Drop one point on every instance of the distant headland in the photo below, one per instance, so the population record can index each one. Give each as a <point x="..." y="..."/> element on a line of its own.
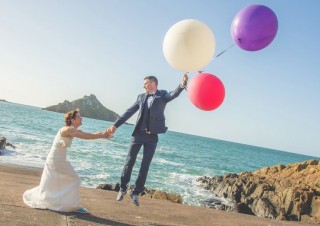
<point x="2" y="100"/>
<point x="89" y="106"/>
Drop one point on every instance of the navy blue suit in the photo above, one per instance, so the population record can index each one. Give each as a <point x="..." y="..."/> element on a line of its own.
<point x="150" y="122"/>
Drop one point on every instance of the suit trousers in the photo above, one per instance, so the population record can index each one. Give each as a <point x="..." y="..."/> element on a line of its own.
<point x="149" y="143"/>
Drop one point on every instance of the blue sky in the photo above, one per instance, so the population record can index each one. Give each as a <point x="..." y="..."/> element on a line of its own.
<point x="51" y="51"/>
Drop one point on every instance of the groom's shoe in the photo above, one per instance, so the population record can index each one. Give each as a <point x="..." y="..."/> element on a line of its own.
<point x="135" y="199"/>
<point x="121" y="195"/>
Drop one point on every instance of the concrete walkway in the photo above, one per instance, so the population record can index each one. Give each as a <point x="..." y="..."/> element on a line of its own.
<point x="105" y="210"/>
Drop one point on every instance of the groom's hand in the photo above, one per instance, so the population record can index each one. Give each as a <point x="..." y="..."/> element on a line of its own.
<point x="112" y="129"/>
<point x="184" y="80"/>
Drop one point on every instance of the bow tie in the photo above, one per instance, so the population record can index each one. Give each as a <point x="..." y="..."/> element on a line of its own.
<point x="150" y="95"/>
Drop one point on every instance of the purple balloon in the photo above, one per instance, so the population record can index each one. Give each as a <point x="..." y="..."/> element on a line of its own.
<point x="254" y="27"/>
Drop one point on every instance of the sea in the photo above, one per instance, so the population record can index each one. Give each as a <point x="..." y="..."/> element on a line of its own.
<point x="179" y="159"/>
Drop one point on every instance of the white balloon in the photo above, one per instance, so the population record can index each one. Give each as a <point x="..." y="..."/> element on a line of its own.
<point x="189" y="45"/>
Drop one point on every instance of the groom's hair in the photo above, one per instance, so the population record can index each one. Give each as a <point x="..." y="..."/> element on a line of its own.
<point x="152" y="78"/>
<point x="70" y="115"/>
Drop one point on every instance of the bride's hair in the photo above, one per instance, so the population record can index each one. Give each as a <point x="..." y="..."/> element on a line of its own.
<point x="70" y="115"/>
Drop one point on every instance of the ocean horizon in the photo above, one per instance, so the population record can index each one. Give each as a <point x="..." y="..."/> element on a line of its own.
<point x="179" y="160"/>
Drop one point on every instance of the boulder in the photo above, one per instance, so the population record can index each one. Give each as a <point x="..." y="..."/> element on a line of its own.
<point x="167" y="196"/>
<point x="2" y="143"/>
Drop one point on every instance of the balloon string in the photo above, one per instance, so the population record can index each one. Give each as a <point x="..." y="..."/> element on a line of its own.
<point x="225" y="50"/>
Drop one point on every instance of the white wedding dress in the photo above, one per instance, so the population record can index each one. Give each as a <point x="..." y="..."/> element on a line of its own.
<point x="59" y="188"/>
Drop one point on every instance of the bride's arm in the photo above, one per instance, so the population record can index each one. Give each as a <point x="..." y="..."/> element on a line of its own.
<point x="72" y="132"/>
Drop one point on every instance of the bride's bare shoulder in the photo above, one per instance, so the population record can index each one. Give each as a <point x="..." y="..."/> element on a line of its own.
<point x="67" y="131"/>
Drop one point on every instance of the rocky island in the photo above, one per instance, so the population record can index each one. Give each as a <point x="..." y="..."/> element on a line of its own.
<point x="279" y="192"/>
<point x="89" y="106"/>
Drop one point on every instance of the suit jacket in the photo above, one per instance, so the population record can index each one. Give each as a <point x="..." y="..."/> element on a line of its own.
<point x="157" y="118"/>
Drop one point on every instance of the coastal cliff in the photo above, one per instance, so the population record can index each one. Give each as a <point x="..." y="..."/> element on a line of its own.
<point x="280" y="192"/>
<point x="89" y="106"/>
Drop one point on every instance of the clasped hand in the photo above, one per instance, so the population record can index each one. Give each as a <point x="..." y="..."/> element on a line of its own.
<point x="107" y="134"/>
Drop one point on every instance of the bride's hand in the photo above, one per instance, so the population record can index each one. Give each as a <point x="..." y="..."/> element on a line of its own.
<point x="106" y="134"/>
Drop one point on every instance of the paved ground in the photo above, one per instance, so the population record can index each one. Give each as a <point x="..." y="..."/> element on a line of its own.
<point x="105" y="210"/>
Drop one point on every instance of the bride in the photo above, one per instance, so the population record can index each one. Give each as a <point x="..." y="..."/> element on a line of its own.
<point x="59" y="186"/>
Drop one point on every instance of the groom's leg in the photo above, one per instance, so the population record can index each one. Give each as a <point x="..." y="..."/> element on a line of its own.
<point x="131" y="159"/>
<point x="149" y="149"/>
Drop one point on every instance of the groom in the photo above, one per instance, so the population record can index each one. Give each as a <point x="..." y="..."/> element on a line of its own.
<point x="150" y="123"/>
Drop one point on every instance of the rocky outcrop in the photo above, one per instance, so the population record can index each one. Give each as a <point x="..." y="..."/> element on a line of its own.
<point x="155" y="194"/>
<point x="3" y="142"/>
<point x="89" y="106"/>
<point x="289" y="192"/>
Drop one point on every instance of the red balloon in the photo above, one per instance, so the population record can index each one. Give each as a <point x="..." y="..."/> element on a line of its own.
<point x="206" y="91"/>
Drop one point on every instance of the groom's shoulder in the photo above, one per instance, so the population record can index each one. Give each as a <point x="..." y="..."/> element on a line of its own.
<point x="162" y="91"/>
<point x="141" y="94"/>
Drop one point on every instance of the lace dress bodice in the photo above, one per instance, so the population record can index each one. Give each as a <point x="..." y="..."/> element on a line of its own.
<point x="59" y="148"/>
